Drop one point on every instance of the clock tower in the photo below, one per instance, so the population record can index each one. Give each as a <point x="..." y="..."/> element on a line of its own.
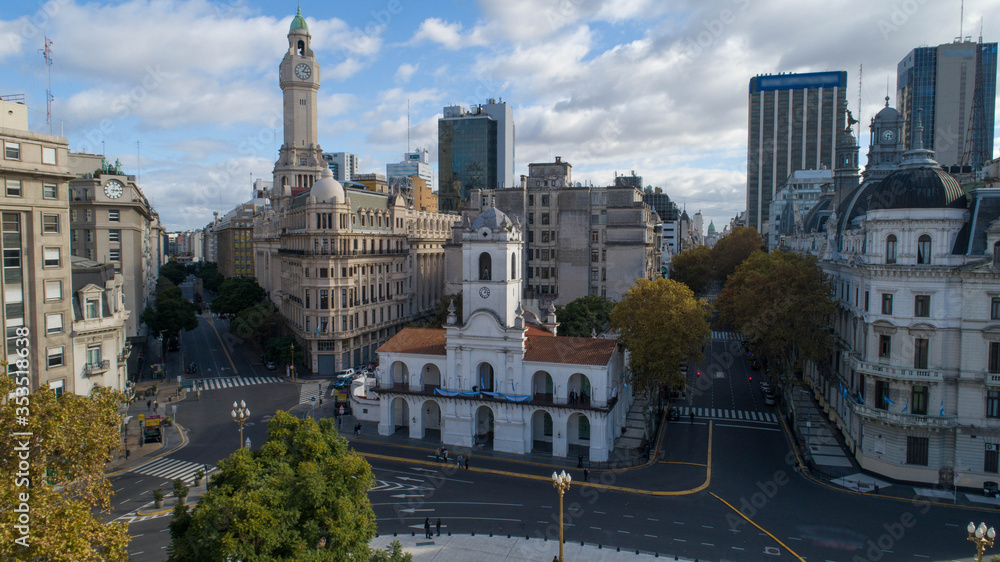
<point x="491" y="268"/>
<point x="886" y="149"/>
<point x="300" y="159"/>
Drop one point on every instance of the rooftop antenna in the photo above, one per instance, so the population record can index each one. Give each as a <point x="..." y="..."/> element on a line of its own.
<point x="861" y="67"/>
<point x="407" y="124"/>
<point x="47" y="53"/>
<point x="138" y="164"/>
<point x="961" y="21"/>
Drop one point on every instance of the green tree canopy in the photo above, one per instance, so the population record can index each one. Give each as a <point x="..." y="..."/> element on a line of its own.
<point x="661" y="324"/>
<point x="172" y="314"/>
<point x="441" y="314"/>
<point x="256" y="322"/>
<point x="280" y="349"/>
<point x="71" y="438"/>
<point x="782" y="302"/>
<point x="584" y="315"/>
<point x="237" y="293"/>
<point x="175" y="271"/>
<point x="733" y="249"/>
<point x="210" y="277"/>
<point x="302" y="496"/>
<point x="693" y="268"/>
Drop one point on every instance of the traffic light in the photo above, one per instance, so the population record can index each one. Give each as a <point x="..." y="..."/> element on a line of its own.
<point x="698" y="373"/>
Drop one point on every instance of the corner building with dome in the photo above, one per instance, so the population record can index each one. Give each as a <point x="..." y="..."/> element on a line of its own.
<point x="499" y="378"/>
<point x="346" y="267"/>
<point x="913" y="381"/>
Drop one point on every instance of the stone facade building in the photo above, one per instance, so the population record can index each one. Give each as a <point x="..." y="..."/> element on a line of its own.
<point x="100" y="343"/>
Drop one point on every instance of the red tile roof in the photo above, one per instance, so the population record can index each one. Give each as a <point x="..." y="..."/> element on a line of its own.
<point x="577" y="351"/>
<point x="536" y="331"/>
<point x="419" y="341"/>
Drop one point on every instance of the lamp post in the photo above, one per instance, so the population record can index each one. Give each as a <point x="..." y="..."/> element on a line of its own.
<point x="982" y="536"/>
<point x="240" y="415"/>
<point x="561" y="482"/>
<point x="291" y="362"/>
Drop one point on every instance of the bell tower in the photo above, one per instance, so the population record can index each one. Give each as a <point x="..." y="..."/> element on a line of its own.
<point x="491" y="275"/>
<point x="300" y="159"/>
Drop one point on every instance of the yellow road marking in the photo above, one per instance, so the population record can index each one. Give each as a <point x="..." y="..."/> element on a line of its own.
<point x="763" y="530"/>
<point x="679" y="462"/>
<point x="224" y="350"/>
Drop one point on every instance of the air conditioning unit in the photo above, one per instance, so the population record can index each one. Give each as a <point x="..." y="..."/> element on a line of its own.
<point x="991" y="446"/>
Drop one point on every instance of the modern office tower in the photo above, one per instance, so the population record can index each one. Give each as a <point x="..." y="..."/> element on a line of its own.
<point x="416" y="163"/>
<point x="951" y="88"/>
<point x="792" y="125"/>
<point x="344" y="165"/>
<point x="475" y="151"/>
<point x="234" y="240"/>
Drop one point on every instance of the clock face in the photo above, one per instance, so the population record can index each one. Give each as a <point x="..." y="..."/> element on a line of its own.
<point x="888" y="135"/>
<point x="484" y="292"/>
<point x="114" y="189"/>
<point x="303" y="71"/>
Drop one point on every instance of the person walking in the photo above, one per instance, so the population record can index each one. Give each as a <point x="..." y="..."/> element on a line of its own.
<point x="467" y="462"/>
<point x="438" y="527"/>
<point x="579" y="460"/>
<point x="427" y="527"/>
<point x="156" y="406"/>
<point x="461" y="460"/>
<point x="586" y="473"/>
<point x="149" y="405"/>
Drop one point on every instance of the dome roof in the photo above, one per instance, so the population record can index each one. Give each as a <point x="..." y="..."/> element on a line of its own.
<point x="327" y="188"/>
<point x="887" y="114"/>
<point x="918" y="188"/>
<point x="493" y="218"/>
<point x="298" y="22"/>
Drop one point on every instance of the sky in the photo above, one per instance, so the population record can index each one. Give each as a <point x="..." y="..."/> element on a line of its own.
<point x="185" y="92"/>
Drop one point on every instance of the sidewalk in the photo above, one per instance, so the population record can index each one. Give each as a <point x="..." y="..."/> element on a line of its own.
<point x="483" y="548"/>
<point x="138" y="452"/>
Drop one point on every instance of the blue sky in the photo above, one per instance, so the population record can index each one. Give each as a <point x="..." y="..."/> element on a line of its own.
<point x="654" y="86"/>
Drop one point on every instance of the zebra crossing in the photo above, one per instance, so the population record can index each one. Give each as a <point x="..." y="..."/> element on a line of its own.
<point x="723" y="336"/>
<point x="168" y="468"/>
<point x="232" y="382"/>
<point x="312" y="390"/>
<point x="720" y="414"/>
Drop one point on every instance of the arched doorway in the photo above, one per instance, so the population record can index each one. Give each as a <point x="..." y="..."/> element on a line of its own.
<point x="578" y="435"/>
<point x="579" y="389"/>
<point x="541" y="431"/>
<point x="432" y="375"/>
<point x="484" y="426"/>
<point x="485" y="377"/>
<point x="399" y="414"/>
<point x="430" y="411"/>
<point x="400" y="373"/>
<point x="541" y="386"/>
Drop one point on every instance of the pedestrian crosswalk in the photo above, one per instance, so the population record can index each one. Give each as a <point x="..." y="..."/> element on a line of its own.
<point x="312" y="390"/>
<point x="168" y="468"/>
<point x="720" y="414"/>
<point x="723" y="336"/>
<point x="231" y="382"/>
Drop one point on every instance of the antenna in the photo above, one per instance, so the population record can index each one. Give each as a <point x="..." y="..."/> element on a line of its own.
<point x="961" y="21"/>
<point x="47" y="53"/>
<point x="138" y="163"/>
<point x="407" y="124"/>
<point x="861" y="67"/>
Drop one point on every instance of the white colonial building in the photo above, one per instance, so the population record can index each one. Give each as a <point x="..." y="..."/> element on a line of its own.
<point x="495" y="380"/>
<point x="914" y="382"/>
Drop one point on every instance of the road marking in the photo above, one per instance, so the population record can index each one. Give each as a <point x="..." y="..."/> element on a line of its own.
<point x="678" y="522"/>
<point x="707" y="527"/>
<point x="594" y="528"/>
<point x="650" y="536"/>
<point x="625" y="532"/>
<point x="138" y="553"/>
<point x="680" y="540"/>
<point x="798" y="539"/>
<point x="598" y="512"/>
<point x="738" y="512"/>
<point x="139" y="535"/>
<point x="749" y="427"/>
<point x="707" y="544"/>
<point x="629" y="516"/>
<point x="224" y="350"/>
<point x="651" y="519"/>
<point x="736" y="548"/>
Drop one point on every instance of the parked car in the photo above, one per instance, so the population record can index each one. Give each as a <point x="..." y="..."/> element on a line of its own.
<point x="174" y="344"/>
<point x="346" y="373"/>
<point x="192" y="368"/>
<point x="673" y="415"/>
<point x="769" y="399"/>
<point x="990" y="489"/>
<point x="270" y="365"/>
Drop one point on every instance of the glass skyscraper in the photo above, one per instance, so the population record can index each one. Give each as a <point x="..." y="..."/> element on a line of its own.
<point x="467" y="155"/>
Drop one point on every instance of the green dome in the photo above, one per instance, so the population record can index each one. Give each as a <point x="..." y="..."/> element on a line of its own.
<point x="299" y="22"/>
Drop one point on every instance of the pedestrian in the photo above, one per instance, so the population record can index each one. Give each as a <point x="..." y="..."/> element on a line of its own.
<point x="427" y="527"/>
<point x="466" y="463"/>
<point x="149" y="405"/>
<point x="691" y="414"/>
<point x="579" y="460"/>
<point x="439" y="527"/>
<point x="437" y="455"/>
<point x="444" y="453"/>
<point x="460" y="461"/>
<point x="586" y="473"/>
<point x="156" y="406"/>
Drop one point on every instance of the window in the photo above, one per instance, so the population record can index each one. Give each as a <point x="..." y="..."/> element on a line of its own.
<point x="890" y="249"/>
<point x="48" y="155"/>
<point x="886" y="303"/>
<point x="53" y="323"/>
<point x="924" y="250"/>
<point x="995" y="308"/>
<point x="545" y="236"/>
<point x="993" y="404"/>
<point x="49" y="191"/>
<point x="920" y="353"/>
<point x="545" y="218"/>
<point x="866" y="301"/>
<point x="594" y="274"/>
<point x="12" y="150"/>
<point x="595" y="236"/>
<point x="324" y="301"/>
<point x="114" y="215"/>
<point x="595" y="256"/>
<point x="584" y="429"/>
<point x="531" y="218"/>
<point x="996" y="254"/>
<point x="50" y="224"/>
<point x="545" y="200"/>
<point x="13" y="188"/>
<point x="485" y="265"/>
<point x="916" y="450"/>
<point x="55" y="357"/>
<point x="922" y="306"/>
<point x="919" y="399"/>
<point x="993" y="364"/>
<point x="114" y="254"/>
<point x="51" y="257"/>
<point x="513" y="266"/>
<point x="72" y="215"/>
<point x="884" y="346"/>
<point x="53" y="290"/>
<point x="531" y="200"/>
<point x="90" y="215"/>
<point x="881" y="395"/>
<point x="114" y="235"/>
<point x="990" y="458"/>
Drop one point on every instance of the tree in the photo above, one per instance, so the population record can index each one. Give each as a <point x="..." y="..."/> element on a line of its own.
<point x="302" y="496"/>
<point x="172" y="314"/>
<point x="782" y="302"/>
<point x="661" y="324"/>
<point x="175" y="271"/>
<point x="280" y="349"/>
<point x="584" y="315"/>
<point x="57" y="473"/>
<point x="693" y="268"/>
<point x="256" y="322"/>
<point x="732" y="250"/>
<point x="441" y="313"/>
<point x="237" y="293"/>
<point x="210" y="276"/>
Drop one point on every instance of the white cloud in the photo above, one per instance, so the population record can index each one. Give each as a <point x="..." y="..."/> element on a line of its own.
<point x="448" y="35"/>
<point x="405" y="72"/>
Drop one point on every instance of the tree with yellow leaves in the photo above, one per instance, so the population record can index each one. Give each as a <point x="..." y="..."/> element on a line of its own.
<point x="55" y="449"/>
<point x="661" y="324"/>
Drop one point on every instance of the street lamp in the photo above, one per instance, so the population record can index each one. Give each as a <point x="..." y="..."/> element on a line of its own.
<point x="240" y="415"/>
<point x="561" y="482"/>
<point x="982" y="536"/>
<point x="291" y="362"/>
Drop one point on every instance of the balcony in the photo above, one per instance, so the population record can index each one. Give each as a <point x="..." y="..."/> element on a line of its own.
<point x="903" y="420"/>
<point x="896" y="372"/>
<point x="338" y="253"/>
<point x="538" y="399"/>
<point x="91" y="369"/>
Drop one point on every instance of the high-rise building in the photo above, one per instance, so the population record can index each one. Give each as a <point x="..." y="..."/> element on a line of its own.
<point x="792" y="125"/>
<point x="951" y="88"/>
<point x="344" y="165"/>
<point x="234" y="241"/>
<point x="416" y="163"/>
<point x="475" y="151"/>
